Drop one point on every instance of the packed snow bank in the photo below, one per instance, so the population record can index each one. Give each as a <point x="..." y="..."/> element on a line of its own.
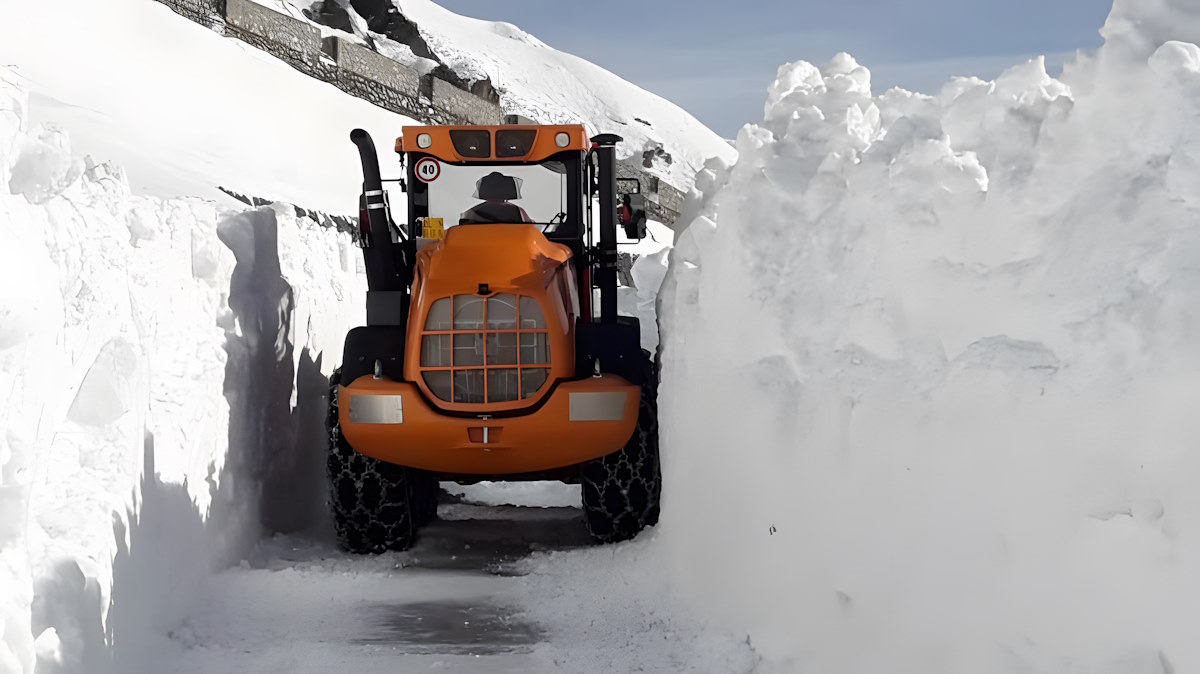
<point x="161" y="374"/>
<point x="931" y="367"/>
<point x="647" y="272"/>
<point x="603" y="612"/>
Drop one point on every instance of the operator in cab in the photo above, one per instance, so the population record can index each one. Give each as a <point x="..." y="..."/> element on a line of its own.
<point x="497" y="191"/>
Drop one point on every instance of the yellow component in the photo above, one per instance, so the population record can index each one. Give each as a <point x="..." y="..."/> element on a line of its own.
<point x="432" y="228"/>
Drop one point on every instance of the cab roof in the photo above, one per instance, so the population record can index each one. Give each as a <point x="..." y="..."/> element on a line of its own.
<point x="516" y="143"/>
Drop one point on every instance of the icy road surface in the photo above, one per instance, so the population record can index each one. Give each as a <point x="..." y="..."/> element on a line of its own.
<point x="452" y="603"/>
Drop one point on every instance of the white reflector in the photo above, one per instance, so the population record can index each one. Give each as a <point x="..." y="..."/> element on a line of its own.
<point x="365" y="409"/>
<point x="600" y="406"/>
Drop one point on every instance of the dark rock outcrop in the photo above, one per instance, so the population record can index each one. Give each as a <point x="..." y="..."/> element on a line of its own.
<point x="656" y="154"/>
<point x="484" y="89"/>
<point x="383" y="17"/>
<point x="330" y="13"/>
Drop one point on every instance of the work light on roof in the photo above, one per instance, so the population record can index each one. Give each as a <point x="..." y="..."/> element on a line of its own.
<point x="562" y="139"/>
<point x="424" y="140"/>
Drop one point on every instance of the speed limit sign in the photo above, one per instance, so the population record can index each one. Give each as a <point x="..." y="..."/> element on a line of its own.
<point x="427" y="169"/>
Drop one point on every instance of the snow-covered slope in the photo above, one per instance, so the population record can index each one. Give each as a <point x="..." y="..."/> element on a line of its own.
<point x="185" y="110"/>
<point x="932" y="365"/>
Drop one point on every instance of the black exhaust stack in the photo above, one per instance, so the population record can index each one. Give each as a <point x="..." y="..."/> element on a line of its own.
<point x="612" y="345"/>
<point x="606" y="253"/>
<point x="385" y="260"/>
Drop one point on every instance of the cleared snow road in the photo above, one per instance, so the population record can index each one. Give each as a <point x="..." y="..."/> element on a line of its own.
<point x="452" y="603"/>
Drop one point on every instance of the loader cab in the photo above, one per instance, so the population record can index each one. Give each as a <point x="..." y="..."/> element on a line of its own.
<point x="500" y="213"/>
<point x="527" y="174"/>
<point x="559" y="182"/>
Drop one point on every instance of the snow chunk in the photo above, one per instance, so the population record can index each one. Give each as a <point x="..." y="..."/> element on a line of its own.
<point x="108" y="389"/>
<point x="1177" y="59"/>
<point x="44" y="166"/>
<point x="1137" y="28"/>
<point x="14" y="100"/>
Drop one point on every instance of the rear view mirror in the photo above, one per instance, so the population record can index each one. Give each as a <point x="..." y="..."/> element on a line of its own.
<point x="633" y="215"/>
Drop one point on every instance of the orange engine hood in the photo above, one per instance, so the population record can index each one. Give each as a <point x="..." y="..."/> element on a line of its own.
<point x="506" y="257"/>
<point x="509" y="259"/>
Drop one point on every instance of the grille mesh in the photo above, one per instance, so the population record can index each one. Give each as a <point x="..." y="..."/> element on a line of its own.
<point x="480" y="350"/>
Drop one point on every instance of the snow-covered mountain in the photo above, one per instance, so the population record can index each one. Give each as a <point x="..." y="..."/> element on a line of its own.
<point x="530" y="78"/>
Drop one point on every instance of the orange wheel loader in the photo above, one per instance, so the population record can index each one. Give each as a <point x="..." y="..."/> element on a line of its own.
<point x="483" y="356"/>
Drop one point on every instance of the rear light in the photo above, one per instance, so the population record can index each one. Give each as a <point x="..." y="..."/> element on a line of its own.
<point x="472" y="143"/>
<point x="478" y="350"/>
<point x="514" y="142"/>
<point x="562" y="139"/>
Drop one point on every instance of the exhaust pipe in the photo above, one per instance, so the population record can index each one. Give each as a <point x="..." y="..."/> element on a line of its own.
<point x="606" y="272"/>
<point x="385" y="260"/>
<point x="374" y="221"/>
<point x="370" y="160"/>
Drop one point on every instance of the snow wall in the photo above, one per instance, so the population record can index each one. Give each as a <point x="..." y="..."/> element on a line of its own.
<point x="163" y="376"/>
<point x="931" y="368"/>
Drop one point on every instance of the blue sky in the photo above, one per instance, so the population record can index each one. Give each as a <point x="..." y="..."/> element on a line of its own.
<point x="717" y="63"/>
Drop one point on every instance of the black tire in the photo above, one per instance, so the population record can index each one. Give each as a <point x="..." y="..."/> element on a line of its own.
<point x="370" y="500"/>
<point x="425" y="492"/>
<point x="622" y="491"/>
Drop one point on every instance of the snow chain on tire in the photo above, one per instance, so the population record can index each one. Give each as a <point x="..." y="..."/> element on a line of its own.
<point x="621" y="491"/>
<point x="370" y="500"/>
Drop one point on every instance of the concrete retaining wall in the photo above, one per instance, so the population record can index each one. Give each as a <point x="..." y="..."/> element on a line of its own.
<point x="372" y="77"/>
<point x="670" y="199"/>
<point x="663" y="201"/>
<point x="210" y="13"/>
<point x="464" y="105"/>
<point x="358" y="60"/>
<point x="292" y="40"/>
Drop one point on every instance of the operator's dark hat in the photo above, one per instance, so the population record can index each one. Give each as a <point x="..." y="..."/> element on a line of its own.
<point x="496" y="186"/>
